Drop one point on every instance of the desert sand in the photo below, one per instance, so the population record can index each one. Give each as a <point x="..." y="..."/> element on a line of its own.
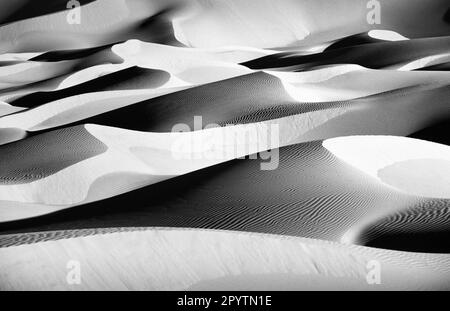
<point x="224" y="144"/>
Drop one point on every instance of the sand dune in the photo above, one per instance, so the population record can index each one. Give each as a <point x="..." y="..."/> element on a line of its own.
<point x="418" y="229"/>
<point x="214" y="260"/>
<point x="260" y="97"/>
<point x="407" y="166"/>
<point x="225" y="144"/>
<point x="73" y="103"/>
<point x="352" y="83"/>
<point x="439" y="67"/>
<point x="434" y="133"/>
<point x="141" y="159"/>
<point x="290" y="22"/>
<point x="102" y="22"/>
<point x="192" y="22"/>
<point x="310" y="186"/>
<point x="126" y="79"/>
<point x="334" y="87"/>
<point x="190" y="65"/>
<point x="375" y="55"/>
<point x="6" y="109"/>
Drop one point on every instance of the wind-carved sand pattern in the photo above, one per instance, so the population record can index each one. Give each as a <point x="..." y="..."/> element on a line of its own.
<point x="225" y="144"/>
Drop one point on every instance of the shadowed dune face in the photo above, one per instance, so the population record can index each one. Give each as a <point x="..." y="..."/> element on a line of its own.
<point x="30" y="73"/>
<point x="210" y="23"/>
<point x="11" y="134"/>
<point x="225" y="144"/>
<point x="373" y="36"/>
<point x="447" y="16"/>
<point x="216" y="103"/>
<point x="438" y="67"/>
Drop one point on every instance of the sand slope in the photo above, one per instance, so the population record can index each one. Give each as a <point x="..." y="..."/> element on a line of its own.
<point x="224" y="144"/>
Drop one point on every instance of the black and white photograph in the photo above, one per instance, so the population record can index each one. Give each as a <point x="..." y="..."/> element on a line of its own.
<point x="208" y="146"/>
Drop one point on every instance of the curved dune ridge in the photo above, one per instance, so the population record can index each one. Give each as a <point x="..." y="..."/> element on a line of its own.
<point x="224" y="144"/>
<point x="311" y="186"/>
